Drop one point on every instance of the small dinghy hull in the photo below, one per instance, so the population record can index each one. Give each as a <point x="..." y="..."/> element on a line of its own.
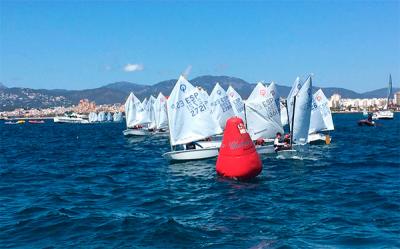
<point x="319" y="138"/>
<point x="365" y="123"/>
<point x="136" y="132"/>
<point x="265" y="149"/>
<point x="188" y="155"/>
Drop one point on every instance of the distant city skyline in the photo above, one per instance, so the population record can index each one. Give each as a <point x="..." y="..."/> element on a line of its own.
<point x="79" y="45"/>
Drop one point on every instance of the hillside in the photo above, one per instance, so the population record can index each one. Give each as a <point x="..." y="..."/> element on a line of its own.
<point x="15" y="97"/>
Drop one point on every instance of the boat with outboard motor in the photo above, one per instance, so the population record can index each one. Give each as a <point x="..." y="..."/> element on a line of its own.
<point x="366" y="122"/>
<point x="36" y="121"/>
<point x="72" y="118"/>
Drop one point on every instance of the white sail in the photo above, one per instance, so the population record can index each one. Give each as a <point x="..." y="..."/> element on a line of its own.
<point x="189" y="115"/>
<point x="101" y="117"/>
<point x="205" y="95"/>
<point x="273" y="90"/>
<point x="130" y="110"/>
<point x="284" y="115"/>
<point x="262" y="115"/>
<point x="134" y="112"/>
<point x="143" y="113"/>
<point x="236" y="102"/>
<point x="221" y="108"/>
<point x="160" y="110"/>
<point x="117" y="117"/>
<point x="302" y="113"/>
<point x="151" y="111"/>
<point x="92" y="117"/>
<point x="321" y="116"/>
<point x="295" y="89"/>
<point x="109" y="117"/>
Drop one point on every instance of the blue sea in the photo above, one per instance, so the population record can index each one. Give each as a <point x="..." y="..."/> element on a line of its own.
<point x="87" y="186"/>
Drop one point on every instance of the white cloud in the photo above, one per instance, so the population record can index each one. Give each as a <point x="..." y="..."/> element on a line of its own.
<point x="133" y="67"/>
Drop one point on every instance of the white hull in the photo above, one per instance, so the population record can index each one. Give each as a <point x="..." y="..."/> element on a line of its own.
<point x="187" y="155"/>
<point x="265" y="149"/>
<point x="383" y="115"/>
<point x="70" y="120"/>
<point x="318" y="138"/>
<point x="161" y="133"/>
<point x="209" y="144"/>
<point x="136" y="132"/>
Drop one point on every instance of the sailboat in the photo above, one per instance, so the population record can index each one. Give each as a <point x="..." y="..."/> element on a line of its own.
<point x="150" y="110"/>
<point x="92" y="117"/>
<point x="300" y="123"/>
<point x="320" y="120"/>
<point x="189" y="121"/>
<point x="136" y="117"/>
<point x="160" y="114"/>
<point x="117" y="117"/>
<point x="236" y="102"/>
<point x="263" y="119"/>
<point x="386" y="113"/>
<point x="109" y="117"/>
<point x="299" y="105"/>
<point x="101" y="117"/>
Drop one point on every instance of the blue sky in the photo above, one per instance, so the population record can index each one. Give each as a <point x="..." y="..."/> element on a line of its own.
<point x="77" y="44"/>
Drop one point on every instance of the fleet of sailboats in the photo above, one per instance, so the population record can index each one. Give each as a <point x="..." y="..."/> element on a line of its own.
<point x="195" y="120"/>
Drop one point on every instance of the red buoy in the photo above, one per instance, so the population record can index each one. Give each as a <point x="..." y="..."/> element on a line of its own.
<point x="238" y="157"/>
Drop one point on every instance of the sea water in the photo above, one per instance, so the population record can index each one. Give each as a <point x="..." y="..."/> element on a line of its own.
<point x="69" y="185"/>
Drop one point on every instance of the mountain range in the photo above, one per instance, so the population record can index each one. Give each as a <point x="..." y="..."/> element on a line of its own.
<point x="17" y="97"/>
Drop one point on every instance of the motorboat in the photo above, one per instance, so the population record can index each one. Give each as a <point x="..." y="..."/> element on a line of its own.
<point x="384" y="114"/>
<point x="71" y="119"/>
<point x="36" y="121"/>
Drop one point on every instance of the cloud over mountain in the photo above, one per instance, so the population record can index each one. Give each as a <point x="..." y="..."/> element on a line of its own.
<point x="133" y="67"/>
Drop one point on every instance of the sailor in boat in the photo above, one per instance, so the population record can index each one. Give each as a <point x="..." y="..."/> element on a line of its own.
<point x="188" y="146"/>
<point x="278" y="145"/>
<point x="260" y="141"/>
<point x="286" y="140"/>
<point x="285" y="145"/>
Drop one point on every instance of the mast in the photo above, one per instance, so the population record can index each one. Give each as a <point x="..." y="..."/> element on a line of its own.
<point x="291" y="130"/>
<point x="389" y="91"/>
<point x="245" y="117"/>
<point x="287" y="113"/>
